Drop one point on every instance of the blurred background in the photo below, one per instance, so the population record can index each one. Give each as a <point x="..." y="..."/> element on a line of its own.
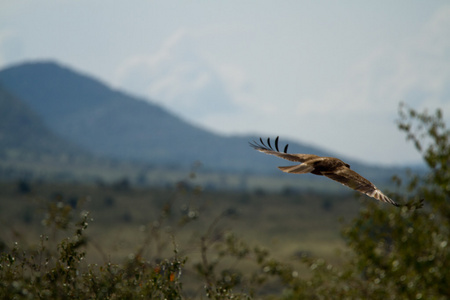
<point x="328" y="74"/>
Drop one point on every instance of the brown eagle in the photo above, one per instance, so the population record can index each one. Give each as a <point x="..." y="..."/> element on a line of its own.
<point x="330" y="167"/>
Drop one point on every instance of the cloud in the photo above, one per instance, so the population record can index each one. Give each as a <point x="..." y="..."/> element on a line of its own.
<point x="191" y="77"/>
<point x="416" y="71"/>
<point x="178" y="77"/>
<point x="360" y="111"/>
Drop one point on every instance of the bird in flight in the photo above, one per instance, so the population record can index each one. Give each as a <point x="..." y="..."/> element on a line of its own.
<point x="330" y="167"/>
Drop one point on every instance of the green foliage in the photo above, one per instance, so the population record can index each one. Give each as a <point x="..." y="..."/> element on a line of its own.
<point x="399" y="253"/>
<point x="62" y="274"/>
<point x="406" y="252"/>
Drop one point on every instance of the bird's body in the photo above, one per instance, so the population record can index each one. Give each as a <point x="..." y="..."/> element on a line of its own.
<point x="330" y="167"/>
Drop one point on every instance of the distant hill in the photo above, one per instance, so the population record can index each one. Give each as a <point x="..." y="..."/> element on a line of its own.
<point x="23" y="135"/>
<point x="111" y="123"/>
<point x="50" y="109"/>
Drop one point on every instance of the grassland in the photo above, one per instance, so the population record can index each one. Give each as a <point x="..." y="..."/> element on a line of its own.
<point x="219" y="229"/>
<point x="287" y="222"/>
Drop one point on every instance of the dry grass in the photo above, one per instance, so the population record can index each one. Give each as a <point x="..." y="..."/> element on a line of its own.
<point x="287" y="224"/>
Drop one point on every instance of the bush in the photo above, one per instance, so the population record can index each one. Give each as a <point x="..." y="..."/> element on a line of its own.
<point x="61" y="273"/>
<point x="398" y="253"/>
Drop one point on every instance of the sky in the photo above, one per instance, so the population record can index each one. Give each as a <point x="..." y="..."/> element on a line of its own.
<point x="325" y="73"/>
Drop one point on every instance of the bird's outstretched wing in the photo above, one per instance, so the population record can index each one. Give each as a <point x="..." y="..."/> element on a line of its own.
<point x="353" y="180"/>
<point x="330" y="167"/>
<point x="262" y="147"/>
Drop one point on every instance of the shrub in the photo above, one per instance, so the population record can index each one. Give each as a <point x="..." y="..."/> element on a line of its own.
<point x="397" y="253"/>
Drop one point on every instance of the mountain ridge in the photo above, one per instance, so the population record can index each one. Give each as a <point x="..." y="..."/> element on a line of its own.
<point x="22" y="131"/>
<point x="107" y="122"/>
<point x="111" y="123"/>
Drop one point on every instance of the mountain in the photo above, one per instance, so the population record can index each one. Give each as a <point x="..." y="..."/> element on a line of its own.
<point x="49" y="110"/>
<point x="111" y="123"/>
<point x="24" y="135"/>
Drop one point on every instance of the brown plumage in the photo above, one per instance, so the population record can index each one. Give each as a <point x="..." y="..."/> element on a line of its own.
<point x="330" y="167"/>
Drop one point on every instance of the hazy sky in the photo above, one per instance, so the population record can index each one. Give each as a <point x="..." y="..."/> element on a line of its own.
<point x="326" y="73"/>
